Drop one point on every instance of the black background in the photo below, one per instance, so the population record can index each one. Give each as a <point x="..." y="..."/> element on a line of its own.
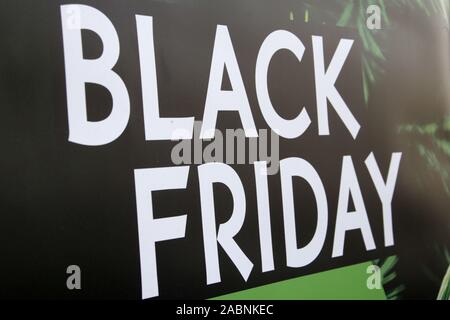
<point x="63" y="203"/>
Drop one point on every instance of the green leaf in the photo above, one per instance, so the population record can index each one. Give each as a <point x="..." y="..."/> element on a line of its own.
<point x="346" y="15"/>
<point x="444" y="291"/>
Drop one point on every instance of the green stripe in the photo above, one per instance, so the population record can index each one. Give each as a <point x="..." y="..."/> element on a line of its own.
<point x="347" y="283"/>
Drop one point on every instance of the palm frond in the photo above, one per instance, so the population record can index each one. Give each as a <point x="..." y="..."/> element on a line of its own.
<point x="352" y="13"/>
<point x="444" y="292"/>
<point x="431" y="143"/>
<point x="388" y="274"/>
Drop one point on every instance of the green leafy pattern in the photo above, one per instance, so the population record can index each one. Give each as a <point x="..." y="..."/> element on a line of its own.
<point x="431" y="140"/>
<point x="353" y="14"/>
<point x="387" y="268"/>
<point x="444" y="292"/>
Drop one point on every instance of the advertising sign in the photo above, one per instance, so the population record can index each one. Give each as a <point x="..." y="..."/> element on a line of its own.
<point x="224" y="149"/>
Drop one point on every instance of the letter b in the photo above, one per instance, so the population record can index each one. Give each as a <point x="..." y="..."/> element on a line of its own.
<point x="80" y="71"/>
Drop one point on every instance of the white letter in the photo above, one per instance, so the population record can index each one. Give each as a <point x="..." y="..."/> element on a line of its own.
<point x="221" y="173"/>
<point x="265" y="231"/>
<point x="156" y="128"/>
<point x="301" y="168"/>
<point x="385" y="191"/>
<point x="325" y="86"/>
<point x="153" y="230"/>
<point x="80" y="71"/>
<point x="346" y="221"/>
<point x="274" y="42"/>
<point x="230" y="100"/>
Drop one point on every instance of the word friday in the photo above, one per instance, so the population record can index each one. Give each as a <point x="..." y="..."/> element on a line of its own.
<point x="80" y="71"/>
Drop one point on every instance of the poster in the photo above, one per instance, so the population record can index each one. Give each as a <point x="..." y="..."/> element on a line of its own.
<point x="225" y="149"/>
